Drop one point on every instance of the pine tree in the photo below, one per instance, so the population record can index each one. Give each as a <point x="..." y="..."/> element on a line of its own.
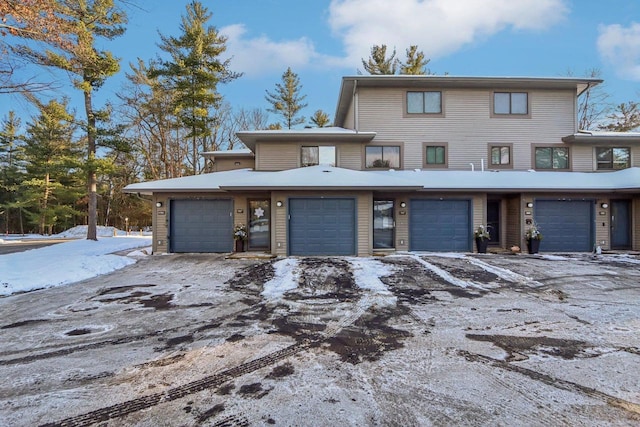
<point x="12" y="169"/>
<point x="193" y="72"/>
<point x="624" y="118"/>
<point x="320" y="119"/>
<point x="286" y="101"/>
<point x="415" y="63"/>
<point x="378" y="63"/>
<point x="49" y="193"/>
<point x="89" y="67"/>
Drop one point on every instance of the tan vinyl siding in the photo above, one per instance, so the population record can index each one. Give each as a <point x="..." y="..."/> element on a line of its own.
<point x="514" y="221"/>
<point x="467" y="126"/>
<point x="479" y="210"/>
<point x="276" y="157"/>
<point x="603" y="229"/>
<point x="160" y="223"/>
<point x="350" y="156"/>
<point x="226" y="164"/>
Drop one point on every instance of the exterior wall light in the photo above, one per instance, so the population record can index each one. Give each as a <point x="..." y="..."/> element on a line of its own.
<point x="279" y="204"/>
<point x="604" y="205"/>
<point x="529" y="204"/>
<point x="158" y="204"/>
<point x="403" y="205"/>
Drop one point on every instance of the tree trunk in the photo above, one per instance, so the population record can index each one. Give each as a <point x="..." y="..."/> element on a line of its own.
<point x="92" y="179"/>
<point x="45" y="203"/>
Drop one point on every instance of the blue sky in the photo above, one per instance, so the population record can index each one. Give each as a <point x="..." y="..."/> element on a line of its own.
<point x="323" y="40"/>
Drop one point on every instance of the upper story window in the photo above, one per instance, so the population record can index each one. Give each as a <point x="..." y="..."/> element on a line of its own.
<point x="318" y="155"/>
<point x="511" y="103"/>
<point x="435" y="155"/>
<point x="615" y="158"/>
<point x="382" y="157"/>
<point x="500" y="155"/>
<point x="552" y="157"/>
<point x="424" y="102"/>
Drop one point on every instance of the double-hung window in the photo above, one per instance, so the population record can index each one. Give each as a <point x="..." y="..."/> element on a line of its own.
<point x="382" y="157"/>
<point x="500" y="155"/>
<point x="429" y="102"/>
<point x="318" y="155"/>
<point x="613" y="158"/>
<point x="435" y="156"/>
<point x="551" y="157"/>
<point x="511" y="103"/>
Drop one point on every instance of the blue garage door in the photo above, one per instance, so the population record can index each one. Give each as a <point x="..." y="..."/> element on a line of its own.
<point x="566" y="225"/>
<point x="201" y="226"/>
<point x="440" y="225"/>
<point x="322" y="226"/>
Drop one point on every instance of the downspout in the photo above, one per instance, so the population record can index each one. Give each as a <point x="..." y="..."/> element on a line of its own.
<point x="355" y="105"/>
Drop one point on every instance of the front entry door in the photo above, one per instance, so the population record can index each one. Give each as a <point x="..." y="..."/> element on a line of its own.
<point x="620" y="224"/>
<point x="259" y="225"/>
<point x="493" y="221"/>
<point x="383" y="224"/>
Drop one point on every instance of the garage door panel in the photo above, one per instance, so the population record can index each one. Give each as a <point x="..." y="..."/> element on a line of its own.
<point x="201" y="226"/>
<point x="440" y="225"/>
<point x="322" y="226"/>
<point x="566" y="225"/>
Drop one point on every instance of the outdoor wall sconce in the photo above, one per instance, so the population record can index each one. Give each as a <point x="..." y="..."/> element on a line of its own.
<point x="604" y="205"/>
<point x="403" y="205"/>
<point x="529" y="204"/>
<point x="279" y="204"/>
<point x="158" y="204"/>
<point x="237" y="163"/>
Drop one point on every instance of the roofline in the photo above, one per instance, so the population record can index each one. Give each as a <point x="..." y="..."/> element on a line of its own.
<point x="322" y="187"/>
<point x="586" y="138"/>
<point x="349" y="83"/>
<point x="250" y="138"/>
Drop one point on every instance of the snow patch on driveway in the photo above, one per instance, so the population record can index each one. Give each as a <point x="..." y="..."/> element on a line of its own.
<point x="446" y="275"/>
<point x="286" y="278"/>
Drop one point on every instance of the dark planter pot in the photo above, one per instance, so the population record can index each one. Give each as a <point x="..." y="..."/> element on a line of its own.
<point x="482" y="244"/>
<point x="533" y="246"/>
<point x="240" y="246"/>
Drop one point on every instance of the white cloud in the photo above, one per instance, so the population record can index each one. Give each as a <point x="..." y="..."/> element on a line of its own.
<point x="620" y="47"/>
<point x="438" y="27"/>
<point x="261" y="55"/>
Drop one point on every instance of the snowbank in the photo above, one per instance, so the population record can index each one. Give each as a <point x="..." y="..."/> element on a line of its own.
<point x="65" y="263"/>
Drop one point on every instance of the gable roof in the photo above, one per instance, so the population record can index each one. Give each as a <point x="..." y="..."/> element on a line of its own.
<point x="323" y="177"/>
<point x="351" y="83"/>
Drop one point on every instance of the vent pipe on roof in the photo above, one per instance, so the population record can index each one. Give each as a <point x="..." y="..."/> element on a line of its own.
<point x="473" y="168"/>
<point x="482" y="164"/>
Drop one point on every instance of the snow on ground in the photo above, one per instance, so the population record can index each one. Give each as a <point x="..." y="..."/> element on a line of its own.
<point x="65" y="263"/>
<point x="285" y="279"/>
<point x="77" y="232"/>
<point x="446" y="275"/>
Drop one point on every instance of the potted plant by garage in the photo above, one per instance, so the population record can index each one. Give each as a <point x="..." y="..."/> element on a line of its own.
<point x="533" y="236"/>
<point x="240" y="236"/>
<point x="482" y="237"/>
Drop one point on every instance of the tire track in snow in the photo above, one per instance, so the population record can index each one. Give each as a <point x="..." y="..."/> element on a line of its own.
<point x="561" y="384"/>
<point x="446" y="275"/>
<point x="377" y="293"/>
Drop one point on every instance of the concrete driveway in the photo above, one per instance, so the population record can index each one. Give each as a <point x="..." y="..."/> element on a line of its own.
<point x="409" y="339"/>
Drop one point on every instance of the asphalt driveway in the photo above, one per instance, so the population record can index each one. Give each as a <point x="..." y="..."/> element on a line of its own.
<point x="409" y="339"/>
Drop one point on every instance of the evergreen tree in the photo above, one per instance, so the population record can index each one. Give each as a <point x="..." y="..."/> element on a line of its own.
<point x="320" y="119"/>
<point x="286" y="101"/>
<point x="415" y="63"/>
<point x="378" y="63"/>
<point x="194" y="71"/>
<point x="50" y="192"/>
<point x="12" y="170"/>
<point x="624" y="118"/>
<point x="89" y="67"/>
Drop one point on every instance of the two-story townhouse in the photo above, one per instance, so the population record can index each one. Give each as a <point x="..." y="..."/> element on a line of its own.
<point x="415" y="163"/>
